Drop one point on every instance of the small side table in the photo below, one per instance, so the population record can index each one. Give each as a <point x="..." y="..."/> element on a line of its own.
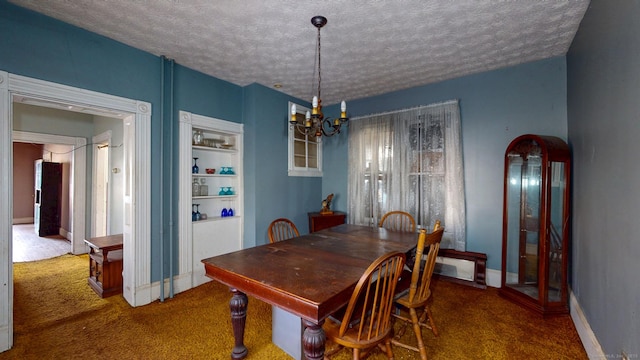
<point x="318" y="221"/>
<point x="105" y="265"/>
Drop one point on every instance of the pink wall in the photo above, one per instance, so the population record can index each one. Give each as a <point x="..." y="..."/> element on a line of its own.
<point x="24" y="156"/>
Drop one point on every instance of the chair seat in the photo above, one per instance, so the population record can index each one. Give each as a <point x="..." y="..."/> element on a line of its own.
<point x="403" y="299"/>
<point x="402" y="291"/>
<point x="350" y="337"/>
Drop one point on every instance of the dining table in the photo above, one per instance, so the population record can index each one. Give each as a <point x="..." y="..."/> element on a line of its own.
<point x="310" y="276"/>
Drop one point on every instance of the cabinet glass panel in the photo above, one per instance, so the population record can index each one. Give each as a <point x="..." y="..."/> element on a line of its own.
<point x="523" y="237"/>
<point x="556" y="227"/>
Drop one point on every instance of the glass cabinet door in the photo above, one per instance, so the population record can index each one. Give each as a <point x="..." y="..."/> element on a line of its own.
<point x="523" y="236"/>
<point x="556" y="231"/>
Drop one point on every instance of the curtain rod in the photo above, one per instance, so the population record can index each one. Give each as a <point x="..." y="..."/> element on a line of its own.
<point x="454" y="101"/>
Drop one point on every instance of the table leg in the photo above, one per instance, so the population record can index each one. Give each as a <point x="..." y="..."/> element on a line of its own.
<point x="313" y="340"/>
<point x="238" y="305"/>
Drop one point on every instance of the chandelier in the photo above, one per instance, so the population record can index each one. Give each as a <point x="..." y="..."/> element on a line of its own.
<point x="315" y="124"/>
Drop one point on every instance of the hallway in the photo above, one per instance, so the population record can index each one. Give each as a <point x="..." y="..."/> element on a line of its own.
<point x="28" y="246"/>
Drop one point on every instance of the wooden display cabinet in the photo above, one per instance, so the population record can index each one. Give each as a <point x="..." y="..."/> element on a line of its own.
<point x="105" y="265"/>
<point x="535" y="237"/>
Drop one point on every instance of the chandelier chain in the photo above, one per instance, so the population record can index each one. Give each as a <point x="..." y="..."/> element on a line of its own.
<point x="319" y="67"/>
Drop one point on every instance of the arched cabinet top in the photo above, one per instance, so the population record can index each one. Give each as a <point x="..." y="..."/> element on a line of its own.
<point x="550" y="148"/>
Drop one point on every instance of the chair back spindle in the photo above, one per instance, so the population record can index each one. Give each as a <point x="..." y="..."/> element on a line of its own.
<point x="282" y="229"/>
<point x="398" y="221"/>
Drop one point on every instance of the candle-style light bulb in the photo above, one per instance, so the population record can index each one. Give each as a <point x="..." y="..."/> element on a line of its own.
<point x="293" y="119"/>
<point x="314" y="104"/>
<point x="307" y="123"/>
<point x="343" y="110"/>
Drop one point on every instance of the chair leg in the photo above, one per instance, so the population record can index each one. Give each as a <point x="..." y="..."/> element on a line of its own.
<point x="387" y="348"/>
<point x="403" y="325"/>
<point x="427" y="315"/>
<point x="418" y="332"/>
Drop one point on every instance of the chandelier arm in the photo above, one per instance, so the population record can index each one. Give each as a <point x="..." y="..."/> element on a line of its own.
<point x="334" y="129"/>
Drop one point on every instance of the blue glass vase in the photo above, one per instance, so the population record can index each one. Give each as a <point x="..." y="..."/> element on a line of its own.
<point x="224" y="213"/>
<point x="195" y="169"/>
<point x="230" y="212"/>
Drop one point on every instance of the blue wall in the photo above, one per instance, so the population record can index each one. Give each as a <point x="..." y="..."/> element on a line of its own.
<point x="270" y="192"/>
<point x="604" y="128"/>
<point x="496" y="107"/>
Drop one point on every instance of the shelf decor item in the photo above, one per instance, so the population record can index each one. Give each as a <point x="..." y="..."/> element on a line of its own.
<point x="198" y="138"/>
<point x="195" y="188"/>
<point x="535" y="235"/>
<point x="204" y="188"/>
<point x="326" y="206"/>
<point x="195" y="169"/>
<point x="197" y="212"/>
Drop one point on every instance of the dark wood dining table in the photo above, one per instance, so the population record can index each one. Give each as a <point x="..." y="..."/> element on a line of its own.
<point x="310" y="276"/>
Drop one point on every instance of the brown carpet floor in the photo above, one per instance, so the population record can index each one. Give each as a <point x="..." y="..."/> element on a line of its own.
<point x="58" y="316"/>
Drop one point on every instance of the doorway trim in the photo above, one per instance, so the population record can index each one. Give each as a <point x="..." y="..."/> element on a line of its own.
<point x="137" y="205"/>
<point x="78" y="178"/>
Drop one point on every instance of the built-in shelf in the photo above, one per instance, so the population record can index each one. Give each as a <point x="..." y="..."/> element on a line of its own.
<point x="215" y="197"/>
<point x="214" y="235"/>
<point x="216" y="218"/>
<point x="213" y="175"/>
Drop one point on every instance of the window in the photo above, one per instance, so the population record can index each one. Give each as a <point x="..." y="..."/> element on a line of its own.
<point x="409" y="160"/>
<point x="305" y="152"/>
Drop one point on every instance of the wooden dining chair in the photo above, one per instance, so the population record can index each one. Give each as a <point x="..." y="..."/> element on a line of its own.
<point x="398" y="220"/>
<point x="366" y="322"/>
<point x="415" y="298"/>
<point x="282" y="229"/>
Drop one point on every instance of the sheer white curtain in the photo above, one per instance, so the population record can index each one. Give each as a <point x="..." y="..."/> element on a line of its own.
<point x="409" y="160"/>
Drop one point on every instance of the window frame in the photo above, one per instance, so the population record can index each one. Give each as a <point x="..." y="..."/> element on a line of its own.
<point x="305" y="171"/>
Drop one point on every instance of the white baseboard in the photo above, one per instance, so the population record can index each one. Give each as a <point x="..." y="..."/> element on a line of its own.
<point x="494" y="278"/>
<point x="24" y="220"/>
<point x="181" y="282"/>
<point x="588" y="338"/>
<point x="65" y="234"/>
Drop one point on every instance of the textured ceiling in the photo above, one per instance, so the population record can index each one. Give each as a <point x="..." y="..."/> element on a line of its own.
<point x="368" y="47"/>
